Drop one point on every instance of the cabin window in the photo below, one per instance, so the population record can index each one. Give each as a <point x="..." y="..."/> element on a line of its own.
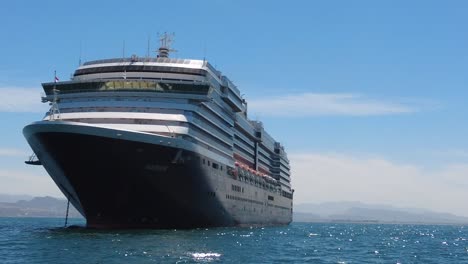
<point x="236" y="188"/>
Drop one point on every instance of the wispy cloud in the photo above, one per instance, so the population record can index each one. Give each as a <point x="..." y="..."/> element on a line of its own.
<point x="12" y="152"/>
<point x="457" y="154"/>
<point x="320" y="177"/>
<point x="316" y="104"/>
<point x="17" y="99"/>
<point x="30" y="182"/>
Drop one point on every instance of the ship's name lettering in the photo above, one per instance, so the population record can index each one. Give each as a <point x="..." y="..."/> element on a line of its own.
<point x="155" y="167"/>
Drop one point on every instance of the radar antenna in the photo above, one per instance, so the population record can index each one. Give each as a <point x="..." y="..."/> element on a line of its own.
<point x="166" y="42"/>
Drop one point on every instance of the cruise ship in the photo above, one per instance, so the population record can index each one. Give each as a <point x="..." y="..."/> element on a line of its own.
<point x="159" y="142"/>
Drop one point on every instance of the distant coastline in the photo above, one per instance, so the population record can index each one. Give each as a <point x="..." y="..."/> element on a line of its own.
<point x="357" y="212"/>
<point x="35" y="207"/>
<point x="332" y="212"/>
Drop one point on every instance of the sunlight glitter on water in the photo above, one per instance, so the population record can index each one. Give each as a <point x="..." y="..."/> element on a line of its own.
<point x="33" y="241"/>
<point x="210" y="256"/>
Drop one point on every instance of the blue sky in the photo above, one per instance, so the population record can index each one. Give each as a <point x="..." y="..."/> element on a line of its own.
<point x="369" y="97"/>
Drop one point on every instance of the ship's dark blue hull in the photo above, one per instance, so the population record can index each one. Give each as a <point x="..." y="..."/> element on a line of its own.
<point x="126" y="179"/>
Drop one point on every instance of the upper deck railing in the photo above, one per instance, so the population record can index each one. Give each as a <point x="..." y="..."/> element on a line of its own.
<point x="140" y="59"/>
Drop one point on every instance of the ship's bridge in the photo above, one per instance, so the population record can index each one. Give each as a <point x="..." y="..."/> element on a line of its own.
<point x="119" y="85"/>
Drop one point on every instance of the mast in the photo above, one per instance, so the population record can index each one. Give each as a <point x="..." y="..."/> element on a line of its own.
<point x="166" y="42"/>
<point x="54" y="109"/>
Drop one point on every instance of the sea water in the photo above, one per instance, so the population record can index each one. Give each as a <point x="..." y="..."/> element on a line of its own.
<point x="44" y="240"/>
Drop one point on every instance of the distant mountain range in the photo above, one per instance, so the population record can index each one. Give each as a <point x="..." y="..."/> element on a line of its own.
<point x="28" y="206"/>
<point x="12" y="198"/>
<point x="15" y="206"/>
<point x="374" y="213"/>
